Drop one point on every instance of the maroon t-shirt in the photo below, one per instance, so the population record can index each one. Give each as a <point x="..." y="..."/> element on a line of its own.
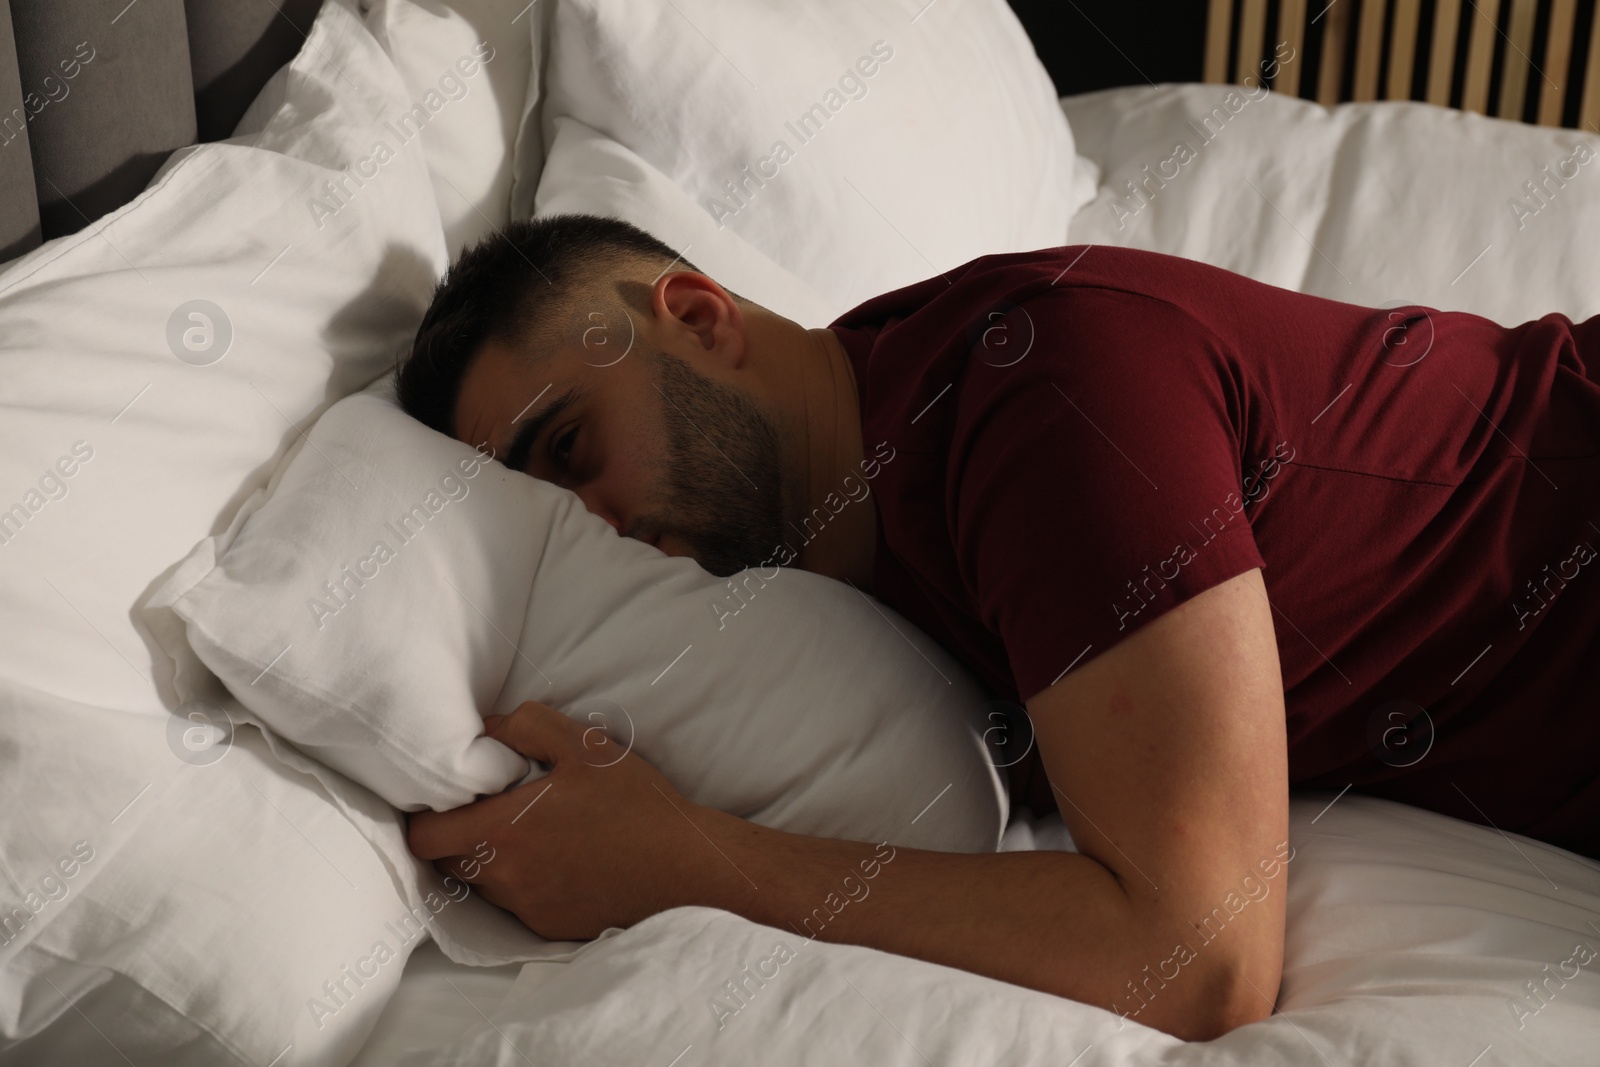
<point x="1085" y="437"/>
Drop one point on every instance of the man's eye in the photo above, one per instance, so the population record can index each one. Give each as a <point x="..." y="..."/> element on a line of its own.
<point x="561" y="447"/>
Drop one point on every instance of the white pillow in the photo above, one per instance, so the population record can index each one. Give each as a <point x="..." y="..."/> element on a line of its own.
<point x="1385" y="203"/>
<point x="227" y="892"/>
<point x="531" y="148"/>
<point x="931" y="140"/>
<point x="587" y="172"/>
<point x="466" y="65"/>
<point x="394" y="584"/>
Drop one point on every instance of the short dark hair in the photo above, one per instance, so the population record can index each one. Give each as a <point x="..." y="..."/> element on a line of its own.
<point x="509" y="287"/>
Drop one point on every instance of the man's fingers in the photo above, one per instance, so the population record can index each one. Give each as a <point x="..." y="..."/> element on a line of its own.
<point x="538" y="731"/>
<point x="463" y="867"/>
<point x="433" y="835"/>
<point x="443" y="835"/>
<point x="535" y="730"/>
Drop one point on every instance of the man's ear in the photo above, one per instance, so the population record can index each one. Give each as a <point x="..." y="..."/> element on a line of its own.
<point x="697" y="313"/>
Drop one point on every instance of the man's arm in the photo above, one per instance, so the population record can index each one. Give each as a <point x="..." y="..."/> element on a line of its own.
<point x="1170" y="757"/>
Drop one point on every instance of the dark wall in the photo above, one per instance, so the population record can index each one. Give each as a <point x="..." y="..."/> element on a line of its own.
<point x="1087" y="45"/>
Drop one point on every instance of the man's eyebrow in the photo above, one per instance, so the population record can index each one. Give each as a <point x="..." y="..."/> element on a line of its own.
<point x="530" y="429"/>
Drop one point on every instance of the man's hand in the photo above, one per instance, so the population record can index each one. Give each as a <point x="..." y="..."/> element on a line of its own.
<point x="594" y="844"/>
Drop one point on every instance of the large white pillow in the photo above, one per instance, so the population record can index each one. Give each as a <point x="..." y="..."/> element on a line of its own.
<point x="394" y="585"/>
<point x="933" y="137"/>
<point x="531" y="149"/>
<point x="1377" y="204"/>
<point x="587" y="172"/>
<point x="466" y="65"/>
<point x="220" y="895"/>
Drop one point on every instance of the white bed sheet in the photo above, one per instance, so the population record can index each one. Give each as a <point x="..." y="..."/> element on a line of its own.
<point x="438" y="1001"/>
<point x="1411" y="936"/>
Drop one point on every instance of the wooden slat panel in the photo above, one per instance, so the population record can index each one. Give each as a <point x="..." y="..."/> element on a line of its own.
<point x="1252" y="38"/>
<point x="1369" y="50"/>
<point x="1557" y="58"/>
<point x="1403" y="49"/>
<point x="1589" y="116"/>
<point x="1480" y="57"/>
<point x="1219" y="35"/>
<point x="1518" y="64"/>
<point x="1335" y="35"/>
<point x="1442" y="55"/>
<point x="1292" y="30"/>
<point x="1515" y="20"/>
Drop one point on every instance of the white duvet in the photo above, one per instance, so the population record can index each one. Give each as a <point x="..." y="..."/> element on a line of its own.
<point x="1412" y="938"/>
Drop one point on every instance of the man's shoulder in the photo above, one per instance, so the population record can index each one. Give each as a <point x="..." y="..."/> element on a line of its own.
<point x="1018" y="342"/>
<point x="1090" y="265"/>
<point x="1076" y="281"/>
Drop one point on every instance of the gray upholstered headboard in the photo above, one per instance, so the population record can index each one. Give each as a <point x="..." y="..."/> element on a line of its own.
<point x="95" y="94"/>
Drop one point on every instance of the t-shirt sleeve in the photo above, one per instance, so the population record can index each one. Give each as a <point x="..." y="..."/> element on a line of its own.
<point x="1099" y="484"/>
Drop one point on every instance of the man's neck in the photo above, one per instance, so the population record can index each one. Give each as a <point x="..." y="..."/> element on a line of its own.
<point x="835" y="534"/>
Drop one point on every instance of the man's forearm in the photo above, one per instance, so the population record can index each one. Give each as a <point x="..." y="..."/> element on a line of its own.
<point x="1052" y="921"/>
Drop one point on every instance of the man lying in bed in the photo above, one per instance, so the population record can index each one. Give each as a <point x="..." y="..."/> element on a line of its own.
<point x="1219" y="538"/>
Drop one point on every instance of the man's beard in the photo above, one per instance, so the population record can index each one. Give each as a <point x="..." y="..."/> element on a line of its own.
<point x="723" y="484"/>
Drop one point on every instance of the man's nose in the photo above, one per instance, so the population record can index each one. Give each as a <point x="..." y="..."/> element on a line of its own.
<point x="593" y="500"/>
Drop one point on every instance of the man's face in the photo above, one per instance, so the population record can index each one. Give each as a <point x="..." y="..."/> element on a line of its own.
<point x="666" y="454"/>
